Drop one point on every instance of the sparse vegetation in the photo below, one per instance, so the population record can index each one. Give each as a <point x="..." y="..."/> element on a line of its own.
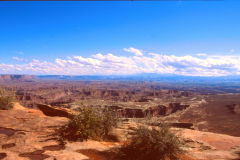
<point x="7" y="97"/>
<point x="90" y="124"/>
<point x="151" y="143"/>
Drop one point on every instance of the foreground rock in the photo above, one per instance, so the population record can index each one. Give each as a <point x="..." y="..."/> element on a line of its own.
<point x="211" y="146"/>
<point x="55" y="111"/>
<point x="29" y="134"/>
<point x="25" y="132"/>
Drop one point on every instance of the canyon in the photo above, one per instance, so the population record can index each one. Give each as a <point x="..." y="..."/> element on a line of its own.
<point x="207" y="121"/>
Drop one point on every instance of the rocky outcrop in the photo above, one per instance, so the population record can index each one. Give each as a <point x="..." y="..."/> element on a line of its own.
<point x="210" y="146"/>
<point x="234" y="108"/>
<point x="127" y="112"/>
<point x="25" y="132"/>
<point x="132" y="113"/>
<point x="143" y="99"/>
<point x="174" y="107"/>
<point x="20" y="78"/>
<point x="176" y="93"/>
<point x="162" y="110"/>
<point x="54" y="111"/>
<point x="114" y="107"/>
<point x="29" y="134"/>
<point x="182" y="125"/>
<point x="159" y="110"/>
<point x="3" y="155"/>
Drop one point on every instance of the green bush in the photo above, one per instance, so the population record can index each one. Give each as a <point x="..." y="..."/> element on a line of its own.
<point x="153" y="144"/>
<point x="7" y="97"/>
<point x="89" y="124"/>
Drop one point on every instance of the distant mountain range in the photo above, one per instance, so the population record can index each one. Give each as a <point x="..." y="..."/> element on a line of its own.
<point x="146" y="77"/>
<point x="138" y="77"/>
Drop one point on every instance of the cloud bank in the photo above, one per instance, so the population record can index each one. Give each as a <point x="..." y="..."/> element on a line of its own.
<point x="110" y="64"/>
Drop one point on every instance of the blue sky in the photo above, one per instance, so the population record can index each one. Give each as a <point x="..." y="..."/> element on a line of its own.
<point x="49" y="37"/>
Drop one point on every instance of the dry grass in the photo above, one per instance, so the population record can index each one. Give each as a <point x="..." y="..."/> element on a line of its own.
<point x="7" y="98"/>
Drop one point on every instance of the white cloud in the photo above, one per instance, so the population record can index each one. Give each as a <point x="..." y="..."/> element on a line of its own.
<point x="107" y="64"/>
<point x="201" y="54"/>
<point x="137" y="52"/>
<point x="18" y="59"/>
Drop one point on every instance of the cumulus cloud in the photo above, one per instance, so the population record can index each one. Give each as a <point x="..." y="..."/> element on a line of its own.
<point x="201" y="54"/>
<point x="108" y="64"/>
<point x="137" y="52"/>
<point x="18" y="59"/>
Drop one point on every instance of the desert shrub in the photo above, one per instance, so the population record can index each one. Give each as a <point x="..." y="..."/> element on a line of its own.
<point x="7" y="97"/>
<point x="151" y="143"/>
<point x="109" y="119"/>
<point x="89" y="124"/>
